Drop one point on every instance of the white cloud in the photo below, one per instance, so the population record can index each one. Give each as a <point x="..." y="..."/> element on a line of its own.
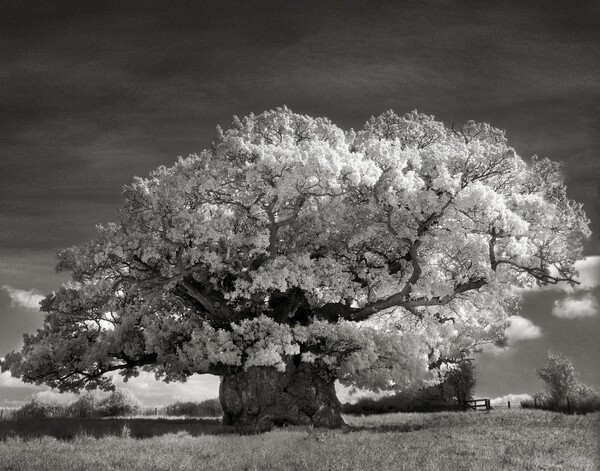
<point x="572" y="308"/>
<point x="153" y="392"/>
<point x="522" y="329"/>
<point x="7" y="381"/>
<point x="23" y="298"/>
<point x="589" y="272"/>
<point x="352" y="394"/>
<point x="515" y="399"/>
<point x="50" y="396"/>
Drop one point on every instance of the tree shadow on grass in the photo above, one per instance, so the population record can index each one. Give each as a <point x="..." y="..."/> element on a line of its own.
<point x="67" y="428"/>
<point x="401" y="428"/>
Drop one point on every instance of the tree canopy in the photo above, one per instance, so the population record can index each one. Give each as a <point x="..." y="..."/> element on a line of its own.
<point x="559" y="375"/>
<point x="381" y="254"/>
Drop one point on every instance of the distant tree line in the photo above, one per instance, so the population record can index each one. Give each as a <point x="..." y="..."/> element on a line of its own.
<point x="120" y="403"/>
<point x="206" y="408"/>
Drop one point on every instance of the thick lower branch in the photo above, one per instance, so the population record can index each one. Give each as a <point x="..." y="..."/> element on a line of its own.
<point x="400" y="300"/>
<point x="209" y="302"/>
<point x="199" y="296"/>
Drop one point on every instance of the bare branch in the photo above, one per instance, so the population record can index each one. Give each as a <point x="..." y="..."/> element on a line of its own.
<point x="538" y="273"/>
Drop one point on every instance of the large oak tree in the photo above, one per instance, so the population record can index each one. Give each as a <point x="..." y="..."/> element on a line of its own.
<point x="293" y="254"/>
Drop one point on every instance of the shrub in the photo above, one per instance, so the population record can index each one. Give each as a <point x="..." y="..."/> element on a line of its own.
<point x="86" y="406"/>
<point x="207" y="408"/>
<point x="431" y="399"/>
<point x="564" y="393"/>
<point x="39" y="410"/>
<point x="121" y="402"/>
<point x="582" y="400"/>
<point x="586" y="404"/>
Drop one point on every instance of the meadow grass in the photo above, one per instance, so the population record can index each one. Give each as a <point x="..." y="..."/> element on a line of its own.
<point x="498" y="440"/>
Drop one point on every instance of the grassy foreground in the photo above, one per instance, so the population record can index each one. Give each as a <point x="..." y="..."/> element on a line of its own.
<point x="509" y="440"/>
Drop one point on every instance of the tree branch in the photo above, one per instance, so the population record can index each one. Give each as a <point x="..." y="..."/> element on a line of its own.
<point x="216" y="309"/>
<point x="538" y="273"/>
<point x="400" y="300"/>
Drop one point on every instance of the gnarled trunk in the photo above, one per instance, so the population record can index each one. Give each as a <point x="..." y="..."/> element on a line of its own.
<point x="262" y="397"/>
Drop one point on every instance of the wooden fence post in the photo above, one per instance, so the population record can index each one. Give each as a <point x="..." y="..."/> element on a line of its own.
<point x="509" y="404"/>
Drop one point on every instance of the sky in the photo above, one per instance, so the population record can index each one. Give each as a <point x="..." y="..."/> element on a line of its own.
<point x="95" y="93"/>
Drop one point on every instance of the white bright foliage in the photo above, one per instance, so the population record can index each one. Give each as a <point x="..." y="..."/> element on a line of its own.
<point x="379" y="254"/>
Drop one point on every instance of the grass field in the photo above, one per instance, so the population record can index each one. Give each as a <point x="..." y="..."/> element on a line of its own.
<point x="499" y="440"/>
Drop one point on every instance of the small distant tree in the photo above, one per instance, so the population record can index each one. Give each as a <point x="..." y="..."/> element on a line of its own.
<point x="120" y="402"/>
<point x="563" y="391"/>
<point x="86" y="406"/>
<point x="36" y="409"/>
<point x="460" y="381"/>
<point x="559" y="375"/>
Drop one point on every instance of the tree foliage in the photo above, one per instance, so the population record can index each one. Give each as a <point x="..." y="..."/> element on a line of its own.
<point x="460" y="381"/>
<point x="86" y="405"/>
<point x="36" y="409"/>
<point x="120" y="402"/>
<point x="206" y="408"/>
<point x="560" y="377"/>
<point x="378" y="254"/>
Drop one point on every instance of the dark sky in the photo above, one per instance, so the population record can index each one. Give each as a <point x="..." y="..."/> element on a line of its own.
<point x="93" y="93"/>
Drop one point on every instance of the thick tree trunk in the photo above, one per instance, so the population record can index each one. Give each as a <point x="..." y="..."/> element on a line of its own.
<point x="262" y="397"/>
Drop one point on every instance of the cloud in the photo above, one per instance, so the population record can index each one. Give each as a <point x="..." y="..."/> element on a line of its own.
<point x="515" y="399"/>
<point x="154" y="392"/>
<point x="7" y="381"/>
<point x="573" y="308"/>
<point x="51" y="396"/>
<point x="589" y="272"/>
<point x="22" y="298"/>
<point x="351" y="394"/>
<point x="148" y="390"/>
<point x="522" y="329"/>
